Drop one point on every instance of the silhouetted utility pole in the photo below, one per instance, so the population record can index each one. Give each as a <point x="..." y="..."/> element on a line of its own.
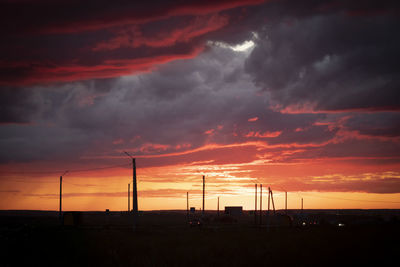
<point x="260" y="204"/>
<point x="134" y="191"/>
<point x="272" y="198"/>
<point x="134" y="188"/>
<point x="204" y="189"/>
<point x="187" y="205"/>
<point x="269" y="197"/>
<point x="60" y="210"/>
<point x="129" y="197"/>
<point x="286" y="202"/>
<point x="255" y="207"/>
<point x="134" y="185"/>
<point x="218" y="207"/>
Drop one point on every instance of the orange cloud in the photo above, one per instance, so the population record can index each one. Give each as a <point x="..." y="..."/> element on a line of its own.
<point x="264" y="135"/>
<point x="253" y="119"/>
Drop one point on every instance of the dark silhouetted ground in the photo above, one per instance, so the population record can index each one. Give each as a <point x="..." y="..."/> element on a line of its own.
<point x="164" y="239"/>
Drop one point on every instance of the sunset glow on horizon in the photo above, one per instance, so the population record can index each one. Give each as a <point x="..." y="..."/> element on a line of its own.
<point x="299" y="98"/>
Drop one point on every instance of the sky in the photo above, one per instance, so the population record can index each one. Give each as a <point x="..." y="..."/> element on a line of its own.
<point x="299" y="96"/>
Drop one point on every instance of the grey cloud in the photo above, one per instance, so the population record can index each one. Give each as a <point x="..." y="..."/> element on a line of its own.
<point x="171" y="106"/>
<point x="38" y="142"/>
<point x="17" y="105"/>
<point x="334" y="61"/>
<point x="385" y="124"/>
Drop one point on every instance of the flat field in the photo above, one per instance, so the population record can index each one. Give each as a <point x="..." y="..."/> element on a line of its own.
<point x="165" y="239"/>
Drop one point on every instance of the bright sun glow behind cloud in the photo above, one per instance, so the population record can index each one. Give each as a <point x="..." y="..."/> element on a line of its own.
<point x="245" y="46"/>
<point x="242" y="47"/>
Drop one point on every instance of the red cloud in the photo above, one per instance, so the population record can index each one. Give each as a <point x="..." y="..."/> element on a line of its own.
<point x="209" y="132"/>
<point x="311" y="108"/>
<point x="264" y="135"/>
<point x="77" y="16"/>
<point x="43" y="73"/>
<point x="142" y="13"/>
<point x="69" y="40"/>
<point x="133" y="37"/>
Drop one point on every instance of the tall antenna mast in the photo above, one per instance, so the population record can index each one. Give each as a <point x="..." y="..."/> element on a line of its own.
<point x="134" y="185"/>
<point x="134" y="190"/>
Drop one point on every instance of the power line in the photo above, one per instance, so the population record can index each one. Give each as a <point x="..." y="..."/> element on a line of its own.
<point x="81" y="185"/>
<point x="58" y="171"/>
<point x="102" y="168"/>
<point x="33" y="182"/>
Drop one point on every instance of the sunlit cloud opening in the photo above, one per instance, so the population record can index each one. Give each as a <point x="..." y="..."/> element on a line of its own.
<point x="243" y="47"/>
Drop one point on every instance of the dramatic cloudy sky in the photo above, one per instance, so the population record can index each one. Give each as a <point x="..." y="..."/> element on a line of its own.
<point x="302" y="96"/>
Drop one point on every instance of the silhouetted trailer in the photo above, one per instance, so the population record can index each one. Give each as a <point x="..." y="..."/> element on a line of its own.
<point x="234" y="210"/>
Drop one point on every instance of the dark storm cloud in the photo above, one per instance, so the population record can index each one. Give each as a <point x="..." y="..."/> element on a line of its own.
<point x="150" y="108"/>
<point x="19" y="17"/>
<point x="171" y="109"/>
<point x="376" y="124"/>
<point x="329" y="59"/>
<point x="305" y="53"/>
<point x="17" y="105"/>
<point x="25" y="143"/>
<point x="52" y="41"/>
<point x="32" y="104"/>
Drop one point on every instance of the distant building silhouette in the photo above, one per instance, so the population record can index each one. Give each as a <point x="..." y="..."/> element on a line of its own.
<point x="234" y="210"/>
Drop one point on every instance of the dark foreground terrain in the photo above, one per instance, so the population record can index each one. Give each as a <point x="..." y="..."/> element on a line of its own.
<point x="166" y="240"/>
